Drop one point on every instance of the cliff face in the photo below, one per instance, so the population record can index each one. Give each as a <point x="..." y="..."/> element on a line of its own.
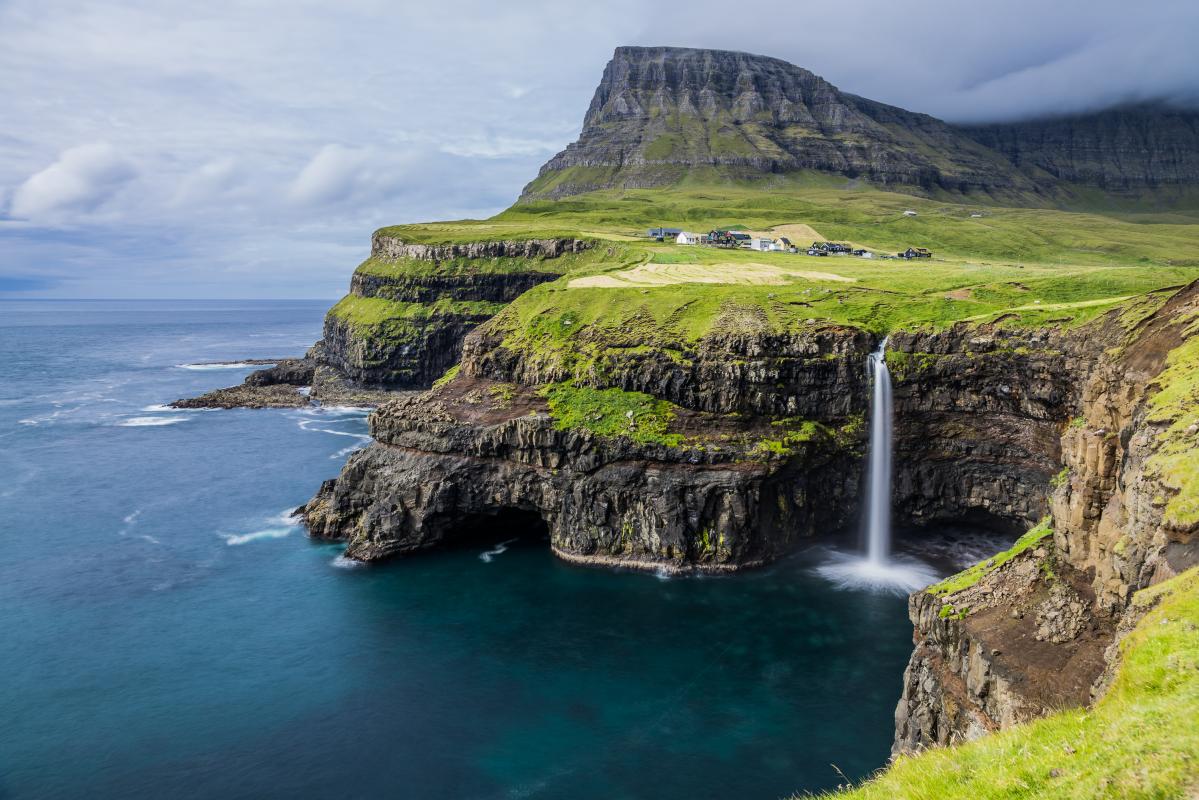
<point x="1128" y="148"/>
<point x="1032" y="631"/>
<point x="659" y="111"/>
<point x="707" y="495"/>
<point x="421" y="301"/>
<point x="978" y="417"/>
<point x="475" y="452"/>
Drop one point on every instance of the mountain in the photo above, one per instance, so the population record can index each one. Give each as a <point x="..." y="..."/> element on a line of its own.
<point x="1145" y="145"/>
<point x="662" y="115"/>
<point x="661" y="112"/>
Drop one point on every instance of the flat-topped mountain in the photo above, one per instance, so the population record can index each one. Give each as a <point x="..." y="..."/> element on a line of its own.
<point x="660" y="112"/>
<point x="662" y="115"/>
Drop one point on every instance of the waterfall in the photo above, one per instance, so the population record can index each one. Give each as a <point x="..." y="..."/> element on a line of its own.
<point x="878" y="570"/>
<point x="878" y="481"/>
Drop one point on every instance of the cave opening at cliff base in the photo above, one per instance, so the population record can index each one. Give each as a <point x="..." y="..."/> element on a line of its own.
<point x="498" y="528"/>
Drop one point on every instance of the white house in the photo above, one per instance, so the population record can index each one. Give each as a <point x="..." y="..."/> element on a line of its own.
<point x="688" y="238"/>
<point x="761" y="244"/>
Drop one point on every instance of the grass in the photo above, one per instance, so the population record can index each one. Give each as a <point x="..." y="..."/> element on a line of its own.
<point x="372" y="313"/>
<point x="1015" y="266"/>
<point x="612" y="412"/>
<point x="1139" y="741"/>
<point x="1175" y="461"/>
<point x="972" y="575"/>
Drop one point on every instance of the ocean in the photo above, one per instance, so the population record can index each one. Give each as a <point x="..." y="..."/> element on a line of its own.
<point x="170" y="632"/>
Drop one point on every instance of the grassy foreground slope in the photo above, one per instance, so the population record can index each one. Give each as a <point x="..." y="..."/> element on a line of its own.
<point x="1139" y="741"/>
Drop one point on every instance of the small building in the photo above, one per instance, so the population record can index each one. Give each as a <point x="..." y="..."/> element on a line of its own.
<point x="915" y="252"/>
<point x="725" y="238"/>
<point x="909" y="213"/>
<point x="862" y="253"/>
<point x="685" y="237"/>
<point x="782" y="244"/>
<point x="760" y="244"/>
<point x="662" y="234"/>
<point x="815" y="251"/>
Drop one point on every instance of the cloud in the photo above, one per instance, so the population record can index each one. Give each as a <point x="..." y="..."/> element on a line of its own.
<point x="205" y="149"/>
<point x="333" y="175"/>
<point x="81" y="180"/>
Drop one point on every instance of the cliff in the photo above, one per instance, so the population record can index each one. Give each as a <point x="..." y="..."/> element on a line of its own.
<point x="718" y="480"/>
<point x="1031" y="630"/>
<point x="660" y="113"/>
<point x="1120" y="149"/>
<point x="411" y="304"/>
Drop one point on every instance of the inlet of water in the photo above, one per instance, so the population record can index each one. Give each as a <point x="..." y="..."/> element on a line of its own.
<point x="878" y="569"/>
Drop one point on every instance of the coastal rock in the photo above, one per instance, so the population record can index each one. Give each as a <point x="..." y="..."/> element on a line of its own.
<point x="409" y="348"/>
<point x="448" y="461"/>
<point x="1041" y="636"/>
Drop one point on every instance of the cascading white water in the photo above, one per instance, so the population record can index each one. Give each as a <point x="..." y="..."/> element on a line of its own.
<point x="878" y="484"/>
<point x="878" y="570"/>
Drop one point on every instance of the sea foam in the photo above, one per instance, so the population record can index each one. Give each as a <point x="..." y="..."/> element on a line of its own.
<point x="222" y="365"/>
<point x="143" y="422"/>
<point x="281" y="525"/>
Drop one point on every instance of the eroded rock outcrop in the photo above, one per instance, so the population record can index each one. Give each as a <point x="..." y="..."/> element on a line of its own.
<point x="450" y="459"/>
<point x="419" y="301"/>
<point x="1034" y="633"/>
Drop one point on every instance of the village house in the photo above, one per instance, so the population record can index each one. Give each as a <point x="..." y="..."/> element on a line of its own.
<point x="782" y="243"/>
<point x="686" y="237"/>
<point x="761" y="244"/>
<point x="662" y="234"/>
<point x="915" y="252"/>
<point x="830" y="248"/>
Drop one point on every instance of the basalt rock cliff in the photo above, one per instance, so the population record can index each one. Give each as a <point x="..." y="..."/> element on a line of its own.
<point x="1119" y="149"/>
<point x="662" y="112"/>
<point x="1034" y="630"/>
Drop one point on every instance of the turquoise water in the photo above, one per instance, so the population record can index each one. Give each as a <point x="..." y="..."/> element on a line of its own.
<point x="168" y="634"/>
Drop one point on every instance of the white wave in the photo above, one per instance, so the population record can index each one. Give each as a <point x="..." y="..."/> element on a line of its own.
<point x="281" y="525"/>
<point x="899" y="575"/>
<point x="342" y="562"/>
<point x="340" y="411"/>
<point x="495" y="551"/>
<point x="49" y="418"/>
<point x="269" y="533"/>
<point x="142" y="422"/>
<point x="362" y="439"/>
<point x="345" y="451"/>
<point x="662" y="574"/>
<point x="223" y="365"/>
<point x="157" y="408"/>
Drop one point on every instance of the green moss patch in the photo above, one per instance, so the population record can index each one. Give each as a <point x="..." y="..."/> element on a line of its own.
<point x="612" y="412"/>
<point x="1176" y="459"/>
<point x="376" y="313"/>
<point x="972" y="575"/>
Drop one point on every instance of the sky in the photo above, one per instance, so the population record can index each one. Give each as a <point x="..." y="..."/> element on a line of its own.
<point x="154" y="149"/>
